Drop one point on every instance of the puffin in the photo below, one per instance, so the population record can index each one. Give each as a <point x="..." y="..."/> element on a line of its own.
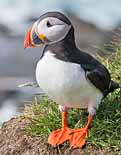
<point x="69" y="76"/>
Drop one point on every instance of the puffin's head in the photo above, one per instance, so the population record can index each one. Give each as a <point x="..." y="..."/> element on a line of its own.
<point x="49" y="28"/>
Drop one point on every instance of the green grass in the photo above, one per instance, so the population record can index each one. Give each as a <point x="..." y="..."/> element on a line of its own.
<point x="105" y="131"/>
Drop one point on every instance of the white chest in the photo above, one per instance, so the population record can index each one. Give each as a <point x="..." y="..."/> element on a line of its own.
<point x="64" y="82"/>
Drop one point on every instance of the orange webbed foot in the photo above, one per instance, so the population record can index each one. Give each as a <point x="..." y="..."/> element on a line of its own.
<point x="77" y="138"/>
<point x="59" y="136"/>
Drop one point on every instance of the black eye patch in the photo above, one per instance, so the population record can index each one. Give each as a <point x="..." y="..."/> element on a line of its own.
<point x="48" y="24"/>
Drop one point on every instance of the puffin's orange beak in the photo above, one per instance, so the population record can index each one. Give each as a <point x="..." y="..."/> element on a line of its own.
<point x="33" y="40"/>
<point x="27" y="40"/>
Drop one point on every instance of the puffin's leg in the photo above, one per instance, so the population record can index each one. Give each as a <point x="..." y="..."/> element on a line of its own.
<point x="77" y="138"/>
<point x="60" y="135"/>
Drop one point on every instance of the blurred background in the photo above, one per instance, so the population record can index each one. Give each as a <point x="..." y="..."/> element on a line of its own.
<point x="93" y="20"/>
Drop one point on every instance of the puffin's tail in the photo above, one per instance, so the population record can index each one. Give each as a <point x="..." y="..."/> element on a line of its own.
<point x="113" y="85"/>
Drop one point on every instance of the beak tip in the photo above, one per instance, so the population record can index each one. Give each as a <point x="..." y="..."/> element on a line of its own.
<point x="25" y="46"/>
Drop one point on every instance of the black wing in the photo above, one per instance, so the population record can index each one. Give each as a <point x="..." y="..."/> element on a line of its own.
<point x="99" y="77"/>
<point x="95" y="72"/>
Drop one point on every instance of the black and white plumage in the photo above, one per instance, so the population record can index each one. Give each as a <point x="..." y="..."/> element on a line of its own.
<point x="69" y="76"/>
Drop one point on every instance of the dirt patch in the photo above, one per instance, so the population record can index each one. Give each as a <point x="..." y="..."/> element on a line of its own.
<point x="15" y="141"/>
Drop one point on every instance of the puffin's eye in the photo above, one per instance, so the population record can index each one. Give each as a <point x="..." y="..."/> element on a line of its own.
<point x="48" y="24"/>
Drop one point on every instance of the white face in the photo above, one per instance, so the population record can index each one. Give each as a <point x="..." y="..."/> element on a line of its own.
<point x="53" y="28"/>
